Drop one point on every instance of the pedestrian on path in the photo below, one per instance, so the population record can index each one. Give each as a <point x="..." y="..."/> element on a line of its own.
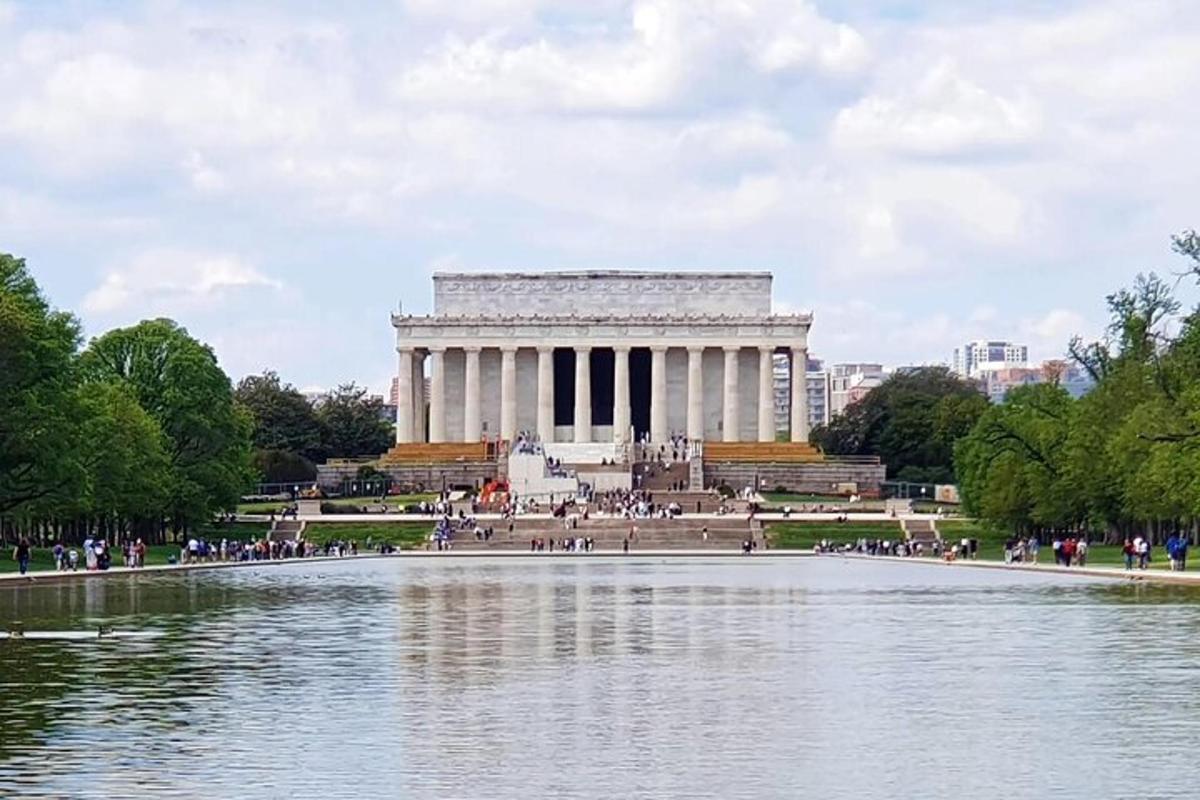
<point x="21" y="554"/>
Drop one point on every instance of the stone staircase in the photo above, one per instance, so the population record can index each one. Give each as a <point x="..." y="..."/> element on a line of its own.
<point x="921" y="531"/>
<point x="657" y="477"/>
<point x="609" y="534"/>
<point x="286" y="530"/>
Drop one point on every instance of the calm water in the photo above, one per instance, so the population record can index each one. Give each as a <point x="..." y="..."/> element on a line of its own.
<point x="602" y="679"/>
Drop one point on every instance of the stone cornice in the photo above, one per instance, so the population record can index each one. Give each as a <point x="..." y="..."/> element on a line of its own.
<point x="677" y="331"/>
<point x="451" y="320"/>
<point x="632" y="274"/>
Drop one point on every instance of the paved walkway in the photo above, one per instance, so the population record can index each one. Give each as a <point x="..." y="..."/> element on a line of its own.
<point x="50" y="576"/>
<point x="832" y="516"/>
<point x="1112" y="573"/>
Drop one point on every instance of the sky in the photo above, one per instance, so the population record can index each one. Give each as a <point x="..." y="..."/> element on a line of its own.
<point x="279" y="177"/>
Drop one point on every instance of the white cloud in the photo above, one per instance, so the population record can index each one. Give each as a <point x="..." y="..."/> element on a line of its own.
<point x="668" y="53"/>
<point x="203" y="176"/>
<point x="1036" y="155"/>
<point x="943" y="114"/>
<point x="1049" y="334"/>
<point x="167" y="281"/>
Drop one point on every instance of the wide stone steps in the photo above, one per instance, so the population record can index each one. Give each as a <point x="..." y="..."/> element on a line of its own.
<point x="610" y="534"/>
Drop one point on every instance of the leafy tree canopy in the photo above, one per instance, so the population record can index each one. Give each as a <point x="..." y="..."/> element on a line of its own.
<point x="284" y="420"/>
<point x="38" y="412"/>
<point x="353" y="423"/>
<point x="911" y="421"/>
<point x="178" y="382"/>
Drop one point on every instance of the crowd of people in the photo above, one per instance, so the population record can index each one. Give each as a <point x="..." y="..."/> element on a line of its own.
<point x="634" y="504"/>
<point x="568" y="544"/>
<point x="882" y="547"/>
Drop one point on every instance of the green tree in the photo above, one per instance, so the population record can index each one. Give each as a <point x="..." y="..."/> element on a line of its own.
<point x="282" y="466"/>
<point x="283" y="419"/>
<point x="177" y="380"/>
<point x="1126" y="457"/>
<point x="911" y="421"/>
<point x="125" y="456"/>
<point x="1012" y="466"/>
<point x="353" y="424"/>
<point x="38" y="412"/>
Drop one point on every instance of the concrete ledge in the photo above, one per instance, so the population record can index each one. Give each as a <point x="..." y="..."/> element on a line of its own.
<point x="1109" y="573"/>
<point x="44" y="577"/>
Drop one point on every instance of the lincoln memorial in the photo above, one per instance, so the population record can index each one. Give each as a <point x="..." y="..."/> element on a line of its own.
<point x="598" y="356"/>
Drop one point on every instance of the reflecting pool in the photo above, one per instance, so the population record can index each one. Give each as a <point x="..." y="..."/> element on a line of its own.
<point x="600" y="678"/>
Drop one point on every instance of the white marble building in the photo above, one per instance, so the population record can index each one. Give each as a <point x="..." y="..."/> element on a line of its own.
<point x="598" y="356"/>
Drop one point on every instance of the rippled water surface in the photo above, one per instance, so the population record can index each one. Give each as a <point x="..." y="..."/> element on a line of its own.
<point x="578" y="678"/>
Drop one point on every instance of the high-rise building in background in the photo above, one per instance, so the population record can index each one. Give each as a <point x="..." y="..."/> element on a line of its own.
<point x="817" y="380"/>
<point x="997" y="383"/>
<point x="849" y="383"/>
<point x="982" y="354"/>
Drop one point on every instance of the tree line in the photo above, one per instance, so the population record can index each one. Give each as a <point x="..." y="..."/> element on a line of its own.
<point x="1122" y="459"/>
<point x="141" y="432"/>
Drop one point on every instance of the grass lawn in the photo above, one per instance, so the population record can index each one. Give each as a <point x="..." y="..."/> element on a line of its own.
<point x="237" y="531"/>
<point x="778" y="499"/>
<point x="800" y="535"/>
<point x="394" y="501"/>
<point x="404" y="535"/>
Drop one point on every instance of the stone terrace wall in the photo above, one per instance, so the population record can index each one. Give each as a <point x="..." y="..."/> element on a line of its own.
<point x="417" y="477"/>
<point x="802" y="478"/>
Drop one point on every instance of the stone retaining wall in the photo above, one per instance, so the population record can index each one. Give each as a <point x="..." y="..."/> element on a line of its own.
<point x="817" y="478"/>
<point x="417" y="477"/>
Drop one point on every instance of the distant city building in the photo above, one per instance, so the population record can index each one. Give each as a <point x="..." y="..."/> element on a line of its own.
<point x="818" y="393"/>
<point x="997" y="383"/>
<point x="849" y="383"/>
<point x="975" y="357"/>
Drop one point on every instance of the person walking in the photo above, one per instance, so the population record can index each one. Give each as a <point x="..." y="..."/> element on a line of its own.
<point x="21" y="554"/>
<point x="1130" y="551"/>
<point x="1181" y="552"/>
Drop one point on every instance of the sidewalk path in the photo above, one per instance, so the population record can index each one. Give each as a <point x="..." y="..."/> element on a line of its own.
<point x="50" y="576"/>
<point x="1112" y="573"/>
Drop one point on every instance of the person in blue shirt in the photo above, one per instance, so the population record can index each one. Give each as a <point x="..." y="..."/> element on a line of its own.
<point x="1181" y="549"/>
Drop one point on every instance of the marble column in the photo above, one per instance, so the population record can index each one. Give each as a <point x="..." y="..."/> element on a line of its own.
<point x="695" y="411"/>
<point x="766" y="394"/>
<point x="799" y="394"/>
<point x="658" y="395"/>
<point x="472" y="402"/>
<point x="417" y="367"/>
<point x="545" y="406"/>
<point x="730" y="423"/>
<point x="404" y="397"/>
<point x="583" y="394"/>
<point x="508" y="393"/>
<point x="437" y="394"/>
<point x="621" y="409"/>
